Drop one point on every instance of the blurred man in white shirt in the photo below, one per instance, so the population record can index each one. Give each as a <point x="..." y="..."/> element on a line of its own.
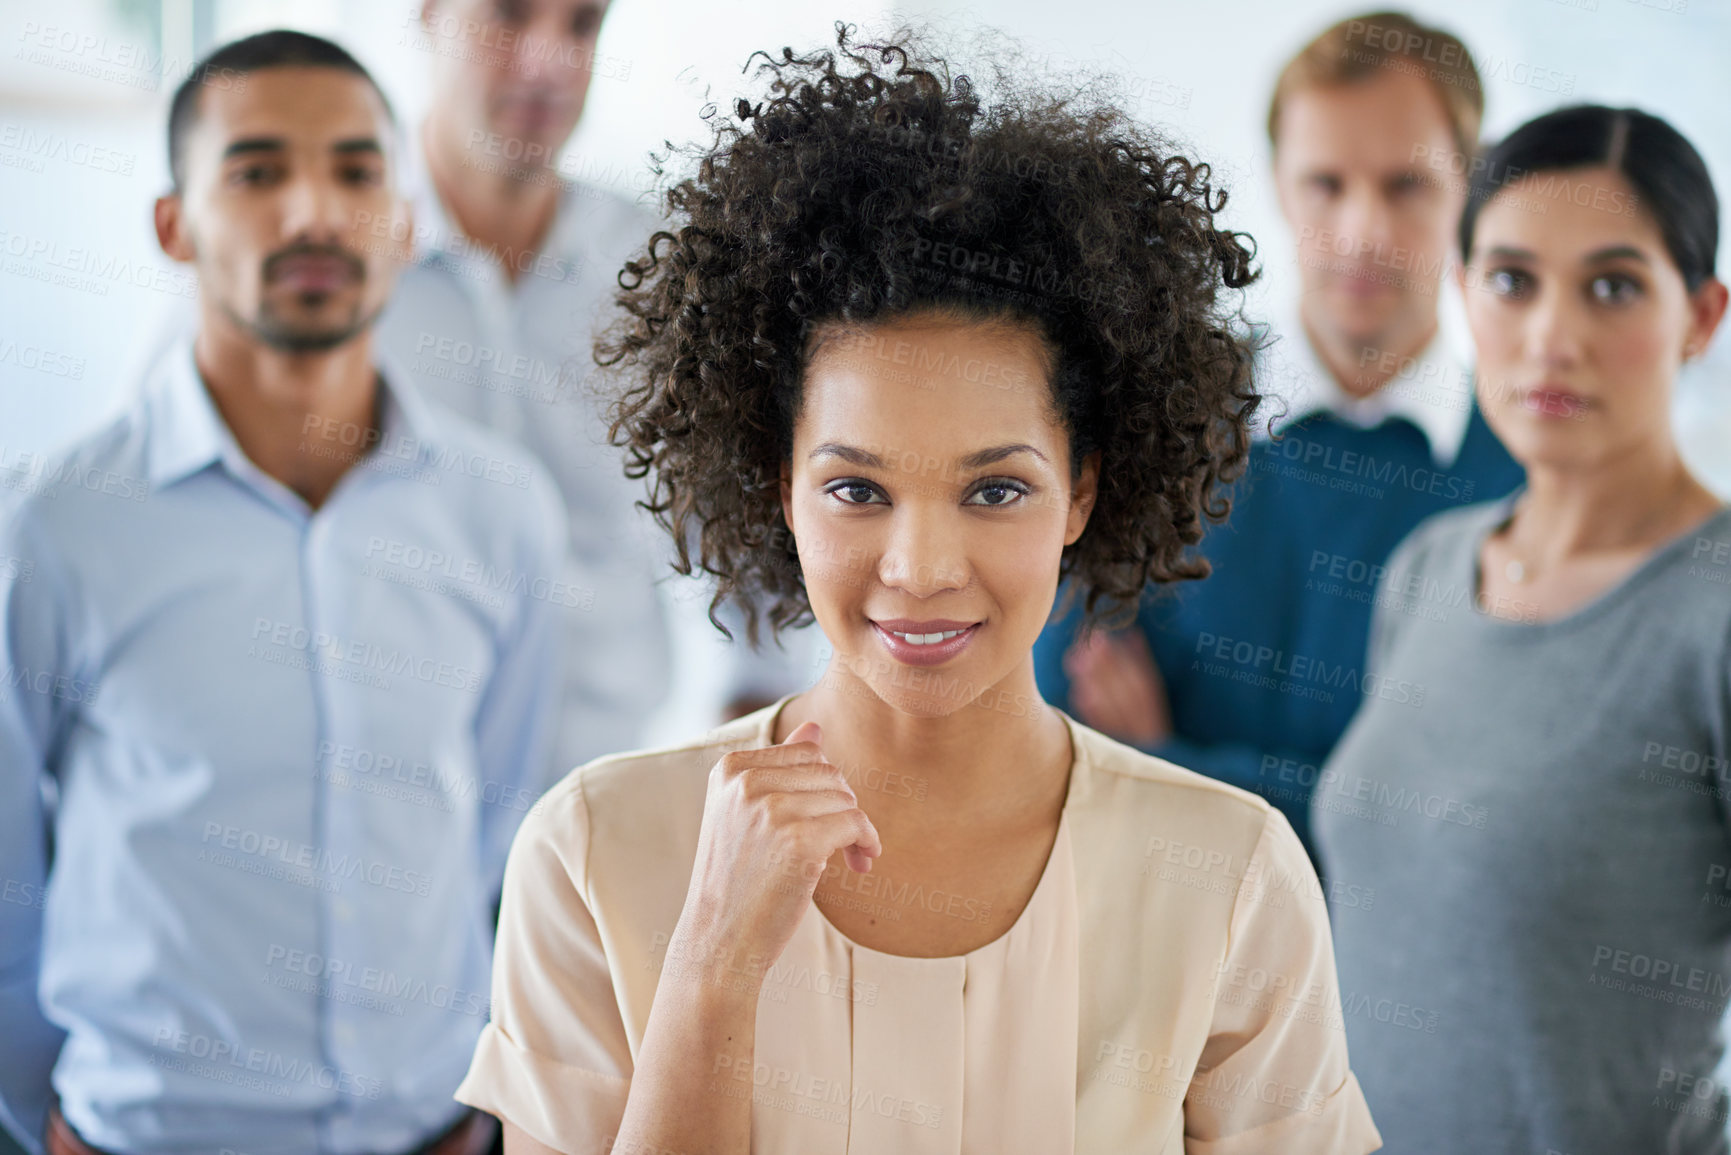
<point x="515" y="262"/>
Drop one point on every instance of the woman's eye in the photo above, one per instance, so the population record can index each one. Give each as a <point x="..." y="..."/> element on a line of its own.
<point x="999" y="493"/>
<point x="1511" y="283"/>
<point x="1614" y="289"/>
<point x="856" y="492"/>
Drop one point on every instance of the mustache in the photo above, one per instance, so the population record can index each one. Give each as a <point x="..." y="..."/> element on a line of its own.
<point x="273" y="263"/>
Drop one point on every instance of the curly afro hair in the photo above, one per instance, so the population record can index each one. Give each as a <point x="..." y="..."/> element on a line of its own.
<point x="869" y="185"/>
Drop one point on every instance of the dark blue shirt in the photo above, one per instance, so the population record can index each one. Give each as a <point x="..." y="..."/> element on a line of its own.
<point x="1264" y="659"/>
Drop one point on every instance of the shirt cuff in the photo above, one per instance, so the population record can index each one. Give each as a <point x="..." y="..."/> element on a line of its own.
<point x="569" y="1109"/>
<point x="1342" y="1127"/>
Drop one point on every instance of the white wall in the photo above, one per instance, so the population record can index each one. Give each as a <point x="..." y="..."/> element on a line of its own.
<point x="81" y="128"/>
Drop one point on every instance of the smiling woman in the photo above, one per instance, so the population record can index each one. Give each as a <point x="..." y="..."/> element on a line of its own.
<point x="910" y="357"/>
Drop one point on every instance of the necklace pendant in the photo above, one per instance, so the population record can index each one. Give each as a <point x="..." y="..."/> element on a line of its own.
<point x="1515" y="572"/>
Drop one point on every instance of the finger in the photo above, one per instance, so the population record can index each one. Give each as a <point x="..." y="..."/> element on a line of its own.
<point x="848" y="828"/>
<point x="807" y="793"/>
<point x="805" y="732"/>
<point x="786" y="754"/>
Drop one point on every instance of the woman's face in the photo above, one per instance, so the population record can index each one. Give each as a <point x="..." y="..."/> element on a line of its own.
<point x="1580" y="317"/>
<point x="930" y="499"/>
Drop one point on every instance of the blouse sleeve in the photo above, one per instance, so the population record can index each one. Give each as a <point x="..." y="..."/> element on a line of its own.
<point x="1273" y="1075"/>
<point x="554" y="1060"/>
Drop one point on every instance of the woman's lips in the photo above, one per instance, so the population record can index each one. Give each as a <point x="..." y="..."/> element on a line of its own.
<point x="1551" y="402"/>
<point x="928" y="653"/>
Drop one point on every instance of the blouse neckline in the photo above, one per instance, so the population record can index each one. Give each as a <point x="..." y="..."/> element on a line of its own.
<point x="1604" y="602"/>
<point x="1042" y="888"/>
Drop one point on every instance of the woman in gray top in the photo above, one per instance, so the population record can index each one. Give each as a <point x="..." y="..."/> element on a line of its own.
<point x="1548" y="955"/>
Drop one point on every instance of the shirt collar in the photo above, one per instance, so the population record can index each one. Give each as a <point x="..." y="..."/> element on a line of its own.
<point x="187" y="432"/>
<point x="1433" y="391"/>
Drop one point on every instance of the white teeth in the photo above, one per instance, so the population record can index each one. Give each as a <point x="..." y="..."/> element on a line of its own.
<point x="927" y="639"/>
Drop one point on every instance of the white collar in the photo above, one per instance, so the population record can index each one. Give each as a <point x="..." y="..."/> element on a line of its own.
<point x="1433" y="390"/>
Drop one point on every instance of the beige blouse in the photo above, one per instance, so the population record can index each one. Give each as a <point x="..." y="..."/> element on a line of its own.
<point x="1169" y="987"/>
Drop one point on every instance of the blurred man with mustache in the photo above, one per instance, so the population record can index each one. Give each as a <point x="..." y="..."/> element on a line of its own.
<point x="280" y="673"/>
<point x="1252" y="674"/>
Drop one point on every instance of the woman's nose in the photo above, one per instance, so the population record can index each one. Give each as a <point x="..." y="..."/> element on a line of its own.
<point x="924" y="555"/>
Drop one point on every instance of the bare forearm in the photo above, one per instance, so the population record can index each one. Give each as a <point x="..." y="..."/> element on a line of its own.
<point x="691" y="1087"/>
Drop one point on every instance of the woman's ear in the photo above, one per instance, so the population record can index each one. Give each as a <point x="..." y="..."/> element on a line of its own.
<point x="1083" y="492"/>
<point x="1707" y="309"/>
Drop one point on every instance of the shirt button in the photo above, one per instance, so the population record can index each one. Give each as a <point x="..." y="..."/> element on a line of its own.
<point x="345" y="1034"/>
<point x="343" y="909"/>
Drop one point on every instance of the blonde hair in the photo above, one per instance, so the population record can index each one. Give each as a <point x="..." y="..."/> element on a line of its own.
<point x="1361" y="47"/>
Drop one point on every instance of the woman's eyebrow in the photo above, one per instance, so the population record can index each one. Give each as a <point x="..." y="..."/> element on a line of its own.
<point x="870" y="460"/>
<point x="1508" y="253"/>
<point x="997" y="453"/>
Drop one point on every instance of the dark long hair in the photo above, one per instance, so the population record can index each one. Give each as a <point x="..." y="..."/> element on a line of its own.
<point x="1668" y="175"/>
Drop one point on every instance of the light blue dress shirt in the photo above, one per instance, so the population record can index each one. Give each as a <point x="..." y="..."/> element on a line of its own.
<point x="260" y="766"/>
